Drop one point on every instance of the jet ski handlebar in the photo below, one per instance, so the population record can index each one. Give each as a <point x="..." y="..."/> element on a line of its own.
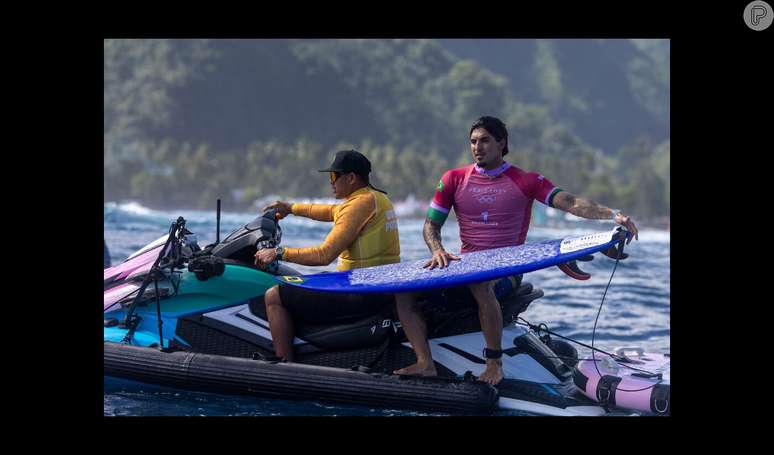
<point x="241" y="245"/>
<point x="271" y="233"/>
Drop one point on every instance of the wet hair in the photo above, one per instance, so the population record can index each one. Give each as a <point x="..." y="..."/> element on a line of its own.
<point x="495" y="127"/>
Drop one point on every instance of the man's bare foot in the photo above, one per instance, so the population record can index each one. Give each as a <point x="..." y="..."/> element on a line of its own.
<point x="493" y="373"/>
<point x="418" y="369"/>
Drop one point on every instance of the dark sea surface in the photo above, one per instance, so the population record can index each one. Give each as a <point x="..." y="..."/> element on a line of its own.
<point x="636" y="311"/>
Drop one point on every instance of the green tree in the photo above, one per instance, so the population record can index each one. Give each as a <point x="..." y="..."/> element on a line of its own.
<point x="548" y="73"/>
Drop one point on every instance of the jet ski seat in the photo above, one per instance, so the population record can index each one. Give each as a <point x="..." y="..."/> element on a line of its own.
<point x="345" y="333"/>
<point x="373" y="329"/>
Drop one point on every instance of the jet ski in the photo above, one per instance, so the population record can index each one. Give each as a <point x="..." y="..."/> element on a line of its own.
<point x="179" y="315"/>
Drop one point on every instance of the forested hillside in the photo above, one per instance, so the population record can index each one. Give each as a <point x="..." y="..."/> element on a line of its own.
<point x="189" y="121"/>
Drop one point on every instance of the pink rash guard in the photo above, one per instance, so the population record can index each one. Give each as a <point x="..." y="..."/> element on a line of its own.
<point x="493" y="207"/>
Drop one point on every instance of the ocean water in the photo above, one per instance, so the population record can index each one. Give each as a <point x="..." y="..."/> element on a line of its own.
<point x="636" y="310"/>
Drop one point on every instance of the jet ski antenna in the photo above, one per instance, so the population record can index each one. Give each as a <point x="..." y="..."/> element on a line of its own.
<point x="217" y="224"/>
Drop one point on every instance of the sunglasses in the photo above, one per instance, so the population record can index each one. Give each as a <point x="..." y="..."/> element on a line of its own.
<point x="334" y="176"/>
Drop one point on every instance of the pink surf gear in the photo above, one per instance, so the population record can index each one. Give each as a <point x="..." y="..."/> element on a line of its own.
<point x="140" y="263"/>
<point x="114" y="295"/>
<point x="117" y="279"/>
<point x="614" y="384"/>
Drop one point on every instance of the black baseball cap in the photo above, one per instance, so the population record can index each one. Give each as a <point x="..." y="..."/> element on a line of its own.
<point x="352" y="161"/>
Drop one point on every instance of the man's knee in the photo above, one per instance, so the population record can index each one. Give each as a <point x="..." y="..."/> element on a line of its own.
<point x="405" y="301"/>
<point x="272" y="297"/>
<point x="482" y="291"/>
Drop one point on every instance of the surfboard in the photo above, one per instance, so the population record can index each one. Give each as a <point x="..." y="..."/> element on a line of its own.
<point x="471" y="268"/>
<point x="136" y="264"/>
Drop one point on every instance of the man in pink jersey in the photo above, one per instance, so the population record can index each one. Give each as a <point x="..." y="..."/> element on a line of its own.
<point x="493" y="203"/>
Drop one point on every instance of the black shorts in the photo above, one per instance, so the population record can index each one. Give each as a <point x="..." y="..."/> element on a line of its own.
<point x="318" y="307"/>
<point x="458" y="294"/>
<point x="322" y="307"/>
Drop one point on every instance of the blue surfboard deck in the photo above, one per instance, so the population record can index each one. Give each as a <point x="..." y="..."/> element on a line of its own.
<point x="471" y="268"/>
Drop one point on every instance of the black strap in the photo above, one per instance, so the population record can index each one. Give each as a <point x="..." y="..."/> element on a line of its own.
<point x="659" y="399"/>
<point x="606" y="388"/>
<point x="382" y="349"/>
<point x="493" y="353"/>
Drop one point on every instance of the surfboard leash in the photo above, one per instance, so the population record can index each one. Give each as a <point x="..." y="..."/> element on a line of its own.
<point x="544" y="328"/>
<point x="594" y="330"/>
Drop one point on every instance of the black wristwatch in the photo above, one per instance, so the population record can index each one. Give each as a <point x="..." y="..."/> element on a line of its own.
<point x="280" y="250"/>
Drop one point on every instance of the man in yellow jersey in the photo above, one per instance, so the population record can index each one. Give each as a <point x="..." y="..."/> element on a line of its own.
<point x="364" y="234"/>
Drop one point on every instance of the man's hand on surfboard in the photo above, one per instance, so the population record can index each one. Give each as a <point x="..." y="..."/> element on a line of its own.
<point x="627" y="222"/>
<point x="440" y="259"/>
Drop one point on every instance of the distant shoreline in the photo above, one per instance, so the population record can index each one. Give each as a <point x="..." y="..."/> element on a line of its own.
<point x="409" y="209"/>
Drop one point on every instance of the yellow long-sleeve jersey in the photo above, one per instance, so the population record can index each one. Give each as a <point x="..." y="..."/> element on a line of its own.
<point x="364" y="234"/>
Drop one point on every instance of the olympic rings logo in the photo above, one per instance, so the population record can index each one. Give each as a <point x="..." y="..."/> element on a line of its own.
<point x="487" y="199"/>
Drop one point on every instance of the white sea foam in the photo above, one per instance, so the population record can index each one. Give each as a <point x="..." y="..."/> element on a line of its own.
<point x="136" y="208"/>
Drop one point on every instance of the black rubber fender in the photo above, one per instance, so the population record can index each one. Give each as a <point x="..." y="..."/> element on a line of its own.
<point x="295" y="381"/>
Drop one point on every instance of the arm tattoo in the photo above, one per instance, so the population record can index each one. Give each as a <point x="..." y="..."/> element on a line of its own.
<point x="432" y="234"/>
<point x="584" y="208"/>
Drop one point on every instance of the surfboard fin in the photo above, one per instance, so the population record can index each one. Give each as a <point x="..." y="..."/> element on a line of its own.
<point x="572" y="270"/>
